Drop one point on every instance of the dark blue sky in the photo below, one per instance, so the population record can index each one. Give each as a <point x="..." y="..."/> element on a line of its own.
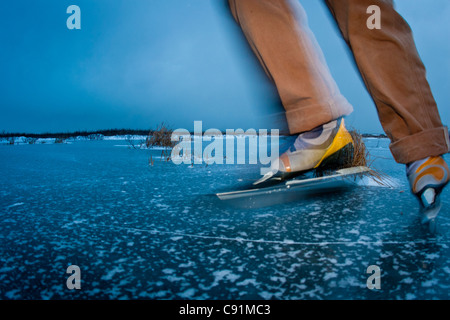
<point x="137" y="63"/>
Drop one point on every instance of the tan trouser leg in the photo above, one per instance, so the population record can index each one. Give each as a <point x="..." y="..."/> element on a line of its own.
<point x="387" y="59"/>
<point x="395" y="77"/>
<point x="277" y="32"/>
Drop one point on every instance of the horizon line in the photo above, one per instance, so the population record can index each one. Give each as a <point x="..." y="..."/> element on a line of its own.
<point x="120" y="132"/>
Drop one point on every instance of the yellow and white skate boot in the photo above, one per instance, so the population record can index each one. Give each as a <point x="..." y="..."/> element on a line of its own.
<point x="427" y="178"/>
<point x="311" y="150"/>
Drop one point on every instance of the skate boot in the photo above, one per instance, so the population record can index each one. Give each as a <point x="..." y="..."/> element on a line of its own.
<point x="312" y="149"/>
<point x="427" y="178"/>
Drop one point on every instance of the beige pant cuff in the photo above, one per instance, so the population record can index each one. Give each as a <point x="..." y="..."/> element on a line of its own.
<point x="307" y="117"/>
<point x="428" y="143"/>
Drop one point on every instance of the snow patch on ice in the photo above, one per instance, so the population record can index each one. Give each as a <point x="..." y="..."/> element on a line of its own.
<point x="330" y="275"/>
<point x="225" y="275"/>
<point x="189" y="293"/>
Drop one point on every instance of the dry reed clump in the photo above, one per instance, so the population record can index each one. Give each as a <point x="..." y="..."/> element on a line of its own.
<point x="160" y="137"/>
<point x="360" y="154"/>
<point x="354" y="157"/>
<point x="361" y="157"/>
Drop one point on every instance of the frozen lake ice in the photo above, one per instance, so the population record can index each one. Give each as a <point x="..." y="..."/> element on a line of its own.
<point x="158" y="232"/>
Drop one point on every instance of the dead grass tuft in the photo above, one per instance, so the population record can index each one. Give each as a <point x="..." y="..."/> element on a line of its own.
<point x="355" y="157"/>
<point x="160" y="137"/>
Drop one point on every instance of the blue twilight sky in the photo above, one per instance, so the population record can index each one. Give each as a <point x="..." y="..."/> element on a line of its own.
<point x="137" y="63"/>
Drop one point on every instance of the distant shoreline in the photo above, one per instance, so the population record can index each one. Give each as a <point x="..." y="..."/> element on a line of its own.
<point x="110" y="133"/>
<point x="68" y="135"/>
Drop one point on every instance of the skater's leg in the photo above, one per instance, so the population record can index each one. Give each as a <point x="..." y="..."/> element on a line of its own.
<point x="395" y="77"/>
<point x="278" y="33"/>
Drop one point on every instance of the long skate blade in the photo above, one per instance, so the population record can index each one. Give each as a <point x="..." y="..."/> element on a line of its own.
<point x="429" y="214"/>
<point x="431" y="204"/>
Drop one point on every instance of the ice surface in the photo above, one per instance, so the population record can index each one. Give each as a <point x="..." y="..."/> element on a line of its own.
<point x="158" y="232"/>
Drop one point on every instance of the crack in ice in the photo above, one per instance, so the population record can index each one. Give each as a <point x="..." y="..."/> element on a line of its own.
<point x="283" y="242"/>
